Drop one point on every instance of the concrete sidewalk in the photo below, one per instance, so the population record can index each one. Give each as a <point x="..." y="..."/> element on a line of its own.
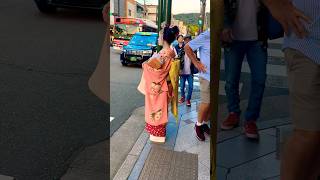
<point x="237" y="157"/>
<point x="241" y="159"/>
<point x="91" y="163"/>
<point x="180" y="138"/>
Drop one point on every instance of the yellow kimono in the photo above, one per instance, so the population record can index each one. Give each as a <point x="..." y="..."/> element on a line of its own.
<point x="174" y="78"/>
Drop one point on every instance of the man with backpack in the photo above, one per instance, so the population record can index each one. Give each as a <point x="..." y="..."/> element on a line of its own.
<point x="186" y="72"/>
<point x="202" y="44"/>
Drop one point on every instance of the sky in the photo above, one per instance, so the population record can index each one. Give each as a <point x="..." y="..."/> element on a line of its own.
<point x="182" y="6"/>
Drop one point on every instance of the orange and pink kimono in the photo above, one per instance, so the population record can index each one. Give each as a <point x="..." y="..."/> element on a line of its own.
<point x="155" y="85"/>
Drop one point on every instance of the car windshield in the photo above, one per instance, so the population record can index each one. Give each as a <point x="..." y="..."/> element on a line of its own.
<point x="139" y="40"/>
<point x="125" y="29"/>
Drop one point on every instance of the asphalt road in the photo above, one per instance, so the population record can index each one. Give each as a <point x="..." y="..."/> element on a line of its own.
<point x="124" y="94"/>
<point x="47" y="112"/>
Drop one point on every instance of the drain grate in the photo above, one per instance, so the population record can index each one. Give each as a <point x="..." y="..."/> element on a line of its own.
<point x="163" y="164"/>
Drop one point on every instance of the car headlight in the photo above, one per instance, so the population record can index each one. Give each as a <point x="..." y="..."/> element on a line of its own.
<point x="147" y="52"/>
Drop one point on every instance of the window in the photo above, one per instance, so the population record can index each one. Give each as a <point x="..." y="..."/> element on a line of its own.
<point x="129" y="12"/>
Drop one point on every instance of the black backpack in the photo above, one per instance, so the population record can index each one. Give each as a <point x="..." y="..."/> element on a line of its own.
<point x="180" y="54"/>
<point x="193" y="68"/>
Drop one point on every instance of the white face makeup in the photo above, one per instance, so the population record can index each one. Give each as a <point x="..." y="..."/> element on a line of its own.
<point x="160" y="39"/>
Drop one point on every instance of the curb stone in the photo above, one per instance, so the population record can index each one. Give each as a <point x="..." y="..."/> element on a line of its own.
<point x="3" y="177"/>
<point x="128" y="164"/>
<point x="123" y="140"/>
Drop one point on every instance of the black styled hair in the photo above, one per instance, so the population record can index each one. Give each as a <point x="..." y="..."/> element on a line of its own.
<point x="179" y="36"/>
<point x="170" y="34"/>
<point x="188" y="37"/>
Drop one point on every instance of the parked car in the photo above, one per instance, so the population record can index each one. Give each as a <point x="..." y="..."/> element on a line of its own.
<point x="48" y="6"/>
<point x="139" y="49"/>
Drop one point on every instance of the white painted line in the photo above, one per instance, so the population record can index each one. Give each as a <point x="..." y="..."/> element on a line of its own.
<point x="274" y="70"/>
<point x="3" y="177"/>
<point x="275" y="53"/>
<point x="221" y="87"/>
<point x="277" y="41"/>
<point x="111" y="118"/>
<point x="271" y="52"/>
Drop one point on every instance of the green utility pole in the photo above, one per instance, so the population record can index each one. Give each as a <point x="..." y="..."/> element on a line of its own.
<point x="159" y="19"/>
<point x="164" y="14"/>
<point x="200" y="22"/>
<point x="168" y="14"/>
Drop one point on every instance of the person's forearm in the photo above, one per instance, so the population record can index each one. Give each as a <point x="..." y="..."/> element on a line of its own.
<point x="189" y="52"/>
<point x="269" y="3"/>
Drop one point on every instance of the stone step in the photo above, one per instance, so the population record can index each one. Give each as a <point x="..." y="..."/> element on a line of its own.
<point x="3" y="177"/>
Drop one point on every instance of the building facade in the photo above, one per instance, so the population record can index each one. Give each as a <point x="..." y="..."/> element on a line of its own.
<point x="131" y="8"/>
<point x="140" y="10"/>
<point x="134" y="9"/>
<point x="182" y="28"/>
<point x="152" y="12"/>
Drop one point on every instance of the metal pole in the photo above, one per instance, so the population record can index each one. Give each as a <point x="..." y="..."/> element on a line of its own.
<point x="169" y="7"/>
<point x="145" y="9"/>
<point x="164" y="11"/>
<point x="159" y="19"/>
<point x="118" y="8"/>
<point x="202" y="14"/>
<point x="215" y="29"/>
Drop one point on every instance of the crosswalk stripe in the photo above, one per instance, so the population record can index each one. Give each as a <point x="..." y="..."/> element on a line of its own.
<point x="271" y="53"/>
<point x="221" y="87"/>
<point x="275" y="70"/>
<point x="276" y="41"/>
<point x="111" y="118"/>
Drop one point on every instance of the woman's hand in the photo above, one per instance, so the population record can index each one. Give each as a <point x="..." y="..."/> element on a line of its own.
<point x="288" y="16"/>
<point x="226" y="35"/>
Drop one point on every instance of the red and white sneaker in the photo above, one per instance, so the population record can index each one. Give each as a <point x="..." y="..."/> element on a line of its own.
<point x="206" y="129"/>
<point x="181" y="100"/>
<point x="188" y="103"/>
<point x="199" y="133"/>
<point x="230" y="122"/>
<point x="251" y="130"/>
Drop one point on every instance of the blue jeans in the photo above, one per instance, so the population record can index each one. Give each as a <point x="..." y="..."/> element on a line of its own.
<point x="257" y="59"/>
<point x="183" y="79"/>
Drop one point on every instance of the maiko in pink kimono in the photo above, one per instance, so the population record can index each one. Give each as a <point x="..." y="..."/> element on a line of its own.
<point x="156" y="86"/>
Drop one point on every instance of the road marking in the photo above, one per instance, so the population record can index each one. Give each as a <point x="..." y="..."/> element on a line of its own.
<point x="111" y="118"/>
<point x="275" y="70"/>
<point x="271" y="52"/>
<point x="221" y="87"/>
